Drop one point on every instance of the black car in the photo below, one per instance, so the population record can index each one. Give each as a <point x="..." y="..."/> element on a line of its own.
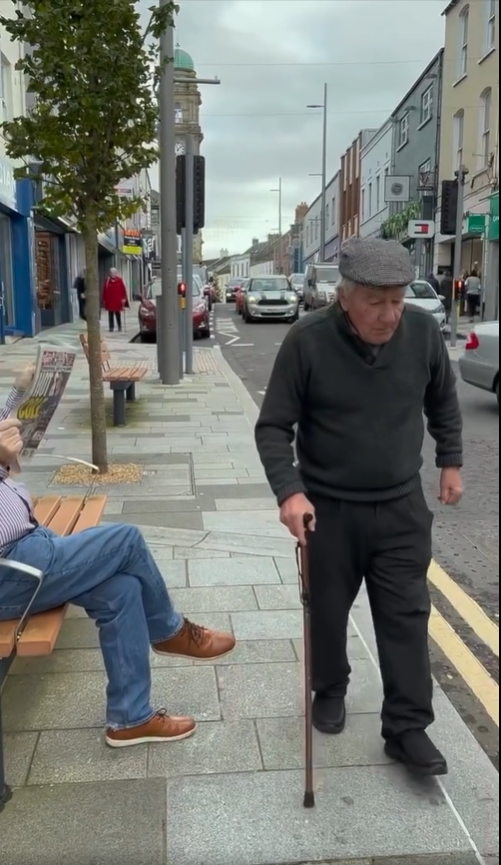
<point x="232" y="287"/>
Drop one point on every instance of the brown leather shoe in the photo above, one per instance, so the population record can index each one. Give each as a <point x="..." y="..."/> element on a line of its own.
<point x="197" y="643"/>
<point x="161" y="728"/>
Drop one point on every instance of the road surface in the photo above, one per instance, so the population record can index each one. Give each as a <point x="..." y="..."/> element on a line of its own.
<point x="465" y="576"/>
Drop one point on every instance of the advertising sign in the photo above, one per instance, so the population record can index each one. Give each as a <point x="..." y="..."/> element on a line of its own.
<point x="133" y="242"/>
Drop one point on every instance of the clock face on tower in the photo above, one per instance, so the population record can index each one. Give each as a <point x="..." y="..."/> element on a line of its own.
<point x="180" y="148"/>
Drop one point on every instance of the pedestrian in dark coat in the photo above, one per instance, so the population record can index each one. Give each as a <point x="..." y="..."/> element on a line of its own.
<point x="79" y="286"/>
<point x="432" y="279"/>
<point x="115" y="299"/>
<point x="447" y="291"/>
<point x="340" y="436"/>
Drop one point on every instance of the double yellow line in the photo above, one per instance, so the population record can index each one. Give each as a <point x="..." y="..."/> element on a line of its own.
<point x="468" y="666"/>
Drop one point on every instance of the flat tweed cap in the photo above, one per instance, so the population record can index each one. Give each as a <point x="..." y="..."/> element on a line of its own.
<point x="376" y="263"/>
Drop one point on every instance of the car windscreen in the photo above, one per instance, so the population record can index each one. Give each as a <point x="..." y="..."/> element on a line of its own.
<point x="297" y="278"/>
<point x="270" y="285"/>
<point x="327" y="274"/>
<point x="420" y="291"/>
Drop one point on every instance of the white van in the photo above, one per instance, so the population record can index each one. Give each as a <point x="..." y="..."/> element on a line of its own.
<point x="320" y="285"/>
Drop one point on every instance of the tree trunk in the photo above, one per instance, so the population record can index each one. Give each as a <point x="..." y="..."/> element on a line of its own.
<point x="93" y="313"/>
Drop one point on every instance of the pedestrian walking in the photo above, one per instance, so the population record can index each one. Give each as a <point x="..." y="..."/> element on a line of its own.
<point x="473" y="286"/>
<point x="432" y="279"/>
<point x="79" y="286"/>
<point x="447" y="291"/>
<point x="115" y="299"/>
<point x="354" y="379"/>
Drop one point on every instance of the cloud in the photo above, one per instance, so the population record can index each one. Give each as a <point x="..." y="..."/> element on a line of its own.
<point x="273" y="58"/>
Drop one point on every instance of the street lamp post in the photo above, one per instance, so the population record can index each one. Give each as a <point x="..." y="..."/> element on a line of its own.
<point x="167" y="303"/>
<point x="279" y="191"/>
<point x="323" y="216"/>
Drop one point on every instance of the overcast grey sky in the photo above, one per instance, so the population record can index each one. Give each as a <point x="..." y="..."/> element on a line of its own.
<point x="273" y="58"/>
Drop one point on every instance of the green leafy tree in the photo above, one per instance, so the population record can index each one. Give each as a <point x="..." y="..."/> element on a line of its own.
<point x="94" y="123"/>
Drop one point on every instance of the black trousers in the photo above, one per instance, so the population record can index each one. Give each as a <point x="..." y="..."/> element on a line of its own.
<point x="390" y="545"/>
<point x="81" y="307"/>
<point x="115" y="315"/>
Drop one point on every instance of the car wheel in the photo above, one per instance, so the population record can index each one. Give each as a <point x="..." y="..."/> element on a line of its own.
<point x="247" y="318"/>
<point x="294" y="318"/>
<point x="205" y="334"/>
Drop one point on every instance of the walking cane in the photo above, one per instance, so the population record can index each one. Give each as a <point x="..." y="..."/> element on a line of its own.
<point x="304" y="585"/>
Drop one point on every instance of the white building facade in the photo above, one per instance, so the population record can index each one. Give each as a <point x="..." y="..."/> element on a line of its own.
<point x="240" y="266"/>
<point x="312" y="223"/>
<point x="375" y="161"/>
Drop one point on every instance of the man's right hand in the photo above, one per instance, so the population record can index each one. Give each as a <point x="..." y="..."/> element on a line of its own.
<point x="293" y="513"/>
<point x="11" y="443"/>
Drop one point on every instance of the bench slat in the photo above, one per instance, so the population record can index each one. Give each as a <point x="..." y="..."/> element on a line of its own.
<point x="7" y="636"/>
<point x="67" y="515"/>
<point x="46" y="508"/>
<point x="91" y="514"/>
<point x="41" y="633"/>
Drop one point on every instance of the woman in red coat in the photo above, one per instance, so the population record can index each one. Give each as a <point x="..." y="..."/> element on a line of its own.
<point x="115" y="298"/>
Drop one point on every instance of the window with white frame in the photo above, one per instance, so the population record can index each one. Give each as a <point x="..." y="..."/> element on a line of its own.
<point x="363" y="205"/>
<point x="492" y="10"/>
<point x="403" y="131"/>
<point x="458" y="140"/>
<point x="378" y="193"/>
<point x="485" y="127"/>
<point x="334" y="210"/>
<point x="5" y="89"/>
<point x="427" y="104"/>
<point x="464" y="32"/>
<point x="370" y="200"/>
<point x="327" y="214"/>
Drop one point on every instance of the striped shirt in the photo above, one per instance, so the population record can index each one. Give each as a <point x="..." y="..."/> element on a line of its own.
<point x="16" y="510"/>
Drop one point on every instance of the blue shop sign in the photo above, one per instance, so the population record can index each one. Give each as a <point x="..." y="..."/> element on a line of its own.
<point x="8" y="195"/>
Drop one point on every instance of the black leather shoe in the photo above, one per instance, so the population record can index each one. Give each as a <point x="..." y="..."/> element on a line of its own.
<point x="418" y="753"/>
<point x="329" y="713"/>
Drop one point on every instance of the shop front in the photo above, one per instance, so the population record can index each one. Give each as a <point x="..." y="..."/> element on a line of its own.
<point x="16" y="260"/>
<point x="52" y="277"/>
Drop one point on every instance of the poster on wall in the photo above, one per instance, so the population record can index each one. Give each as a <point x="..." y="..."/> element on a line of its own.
<point x="133" y="242"/>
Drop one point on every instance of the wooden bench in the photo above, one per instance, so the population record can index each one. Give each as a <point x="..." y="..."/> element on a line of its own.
<point x="122" y="380"/>
<point x="35" y="636"/>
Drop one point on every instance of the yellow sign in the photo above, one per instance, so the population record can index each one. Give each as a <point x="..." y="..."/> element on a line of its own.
<point x="133" y="244"/>
<point x="183" y="303"/>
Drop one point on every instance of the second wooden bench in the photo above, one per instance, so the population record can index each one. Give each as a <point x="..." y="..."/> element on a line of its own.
<point x="122" y="380"/>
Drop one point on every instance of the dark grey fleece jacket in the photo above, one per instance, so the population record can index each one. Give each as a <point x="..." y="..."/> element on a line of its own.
<point x="358" y="413"/>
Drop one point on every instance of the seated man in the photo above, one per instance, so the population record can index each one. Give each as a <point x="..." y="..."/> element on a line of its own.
<point x="110" y="572"/>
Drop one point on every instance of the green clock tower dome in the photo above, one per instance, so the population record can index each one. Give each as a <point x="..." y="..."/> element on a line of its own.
<point x="183" y="61"/>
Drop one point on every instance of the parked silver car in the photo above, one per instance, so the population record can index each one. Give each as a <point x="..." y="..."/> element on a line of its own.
<point x="297" y="282"/>
<point x="479" y="365"/>
<point x="420" y="293"/>
<point x="269" y="297"/>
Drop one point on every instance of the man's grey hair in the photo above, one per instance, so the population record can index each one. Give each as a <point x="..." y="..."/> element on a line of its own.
<point x="346" y="286"/>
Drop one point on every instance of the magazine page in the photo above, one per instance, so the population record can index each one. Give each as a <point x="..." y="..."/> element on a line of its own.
<point x="54" y="367"/>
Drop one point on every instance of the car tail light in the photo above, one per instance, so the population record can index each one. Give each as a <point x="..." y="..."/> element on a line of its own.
<point x="473" y="342"/>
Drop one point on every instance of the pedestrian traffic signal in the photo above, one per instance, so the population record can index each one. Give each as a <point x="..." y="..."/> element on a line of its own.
<point x="448" y="222"/>
<point x="181" y="289"/>
<point x="198" y="193"/>
<point x="199" y="204"/>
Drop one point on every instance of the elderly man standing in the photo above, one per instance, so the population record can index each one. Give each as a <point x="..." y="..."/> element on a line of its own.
<point x="355" y="379"/>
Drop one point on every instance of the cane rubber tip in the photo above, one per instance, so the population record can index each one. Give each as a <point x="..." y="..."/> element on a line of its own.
<point x="309" y="800"/>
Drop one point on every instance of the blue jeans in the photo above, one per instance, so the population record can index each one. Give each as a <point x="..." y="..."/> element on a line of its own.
<point x="110" y="572"/>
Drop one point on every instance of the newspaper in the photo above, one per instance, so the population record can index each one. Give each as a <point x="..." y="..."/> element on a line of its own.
<point x="53" y="369"/>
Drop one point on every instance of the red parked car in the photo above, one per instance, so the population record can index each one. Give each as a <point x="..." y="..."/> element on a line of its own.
<point x="240" y="297"/>
<point x="148" y="310"/>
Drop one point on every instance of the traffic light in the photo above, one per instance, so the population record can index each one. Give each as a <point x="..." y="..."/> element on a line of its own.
<point x="181" y="289"/>
<point x="180" y="193"/>
<point x="448" y="223"/>
<point x="198" y="193"/>
<point x="199" y="204"/>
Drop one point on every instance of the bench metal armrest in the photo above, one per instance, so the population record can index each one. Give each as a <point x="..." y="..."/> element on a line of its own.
<point x="30" y="572"/>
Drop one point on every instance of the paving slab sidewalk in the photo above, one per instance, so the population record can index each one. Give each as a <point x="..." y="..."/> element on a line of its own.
<point x="233" y="794"/>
